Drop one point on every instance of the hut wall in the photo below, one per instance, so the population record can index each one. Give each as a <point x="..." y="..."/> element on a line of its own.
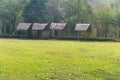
<point x="46" y="34"/>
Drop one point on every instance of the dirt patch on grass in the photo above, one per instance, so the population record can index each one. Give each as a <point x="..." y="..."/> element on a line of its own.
<point x="117" y="62"/>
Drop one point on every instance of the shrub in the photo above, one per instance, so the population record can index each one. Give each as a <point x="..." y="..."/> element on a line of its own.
<point x="86" y="38"/>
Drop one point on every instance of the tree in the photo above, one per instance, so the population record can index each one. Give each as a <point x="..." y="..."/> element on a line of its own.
<point x="104" y="19"/>
<point x="77" y="11"/>
<point x="35" y="11"/>
<point x="54" y="10"/>
<point x="116" y="7"/>
<point x="9" y="12"/>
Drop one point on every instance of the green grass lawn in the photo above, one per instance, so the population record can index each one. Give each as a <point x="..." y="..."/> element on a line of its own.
<point x="59" y="60"/>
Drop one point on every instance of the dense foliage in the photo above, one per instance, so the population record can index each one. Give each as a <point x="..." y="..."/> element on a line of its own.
<point x="104" y="15"/>
<point x="33" y="10"/>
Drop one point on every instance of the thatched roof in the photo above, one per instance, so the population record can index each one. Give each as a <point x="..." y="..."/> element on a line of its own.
<point x="23" y="26"/>
<point x="82" y="27"/>
<point x="57" y="26"/>
<point x="39" y="26"/>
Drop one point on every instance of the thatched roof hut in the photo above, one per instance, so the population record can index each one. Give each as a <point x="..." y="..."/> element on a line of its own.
<point x="24" y="30"/>
<point x="58" y="26"/>
<point x="24" y="26"/>
<point x="83" y="27"/>
<point x="42" y="30"/>
<point x="58" y="29"/>
<point x="39" y="26"/>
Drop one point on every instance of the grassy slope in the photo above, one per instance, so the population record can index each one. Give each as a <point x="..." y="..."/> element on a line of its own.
<point x="59" y="60"/>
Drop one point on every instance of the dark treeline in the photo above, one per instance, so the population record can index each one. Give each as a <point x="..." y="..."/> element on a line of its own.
<point x="104" y="15"/>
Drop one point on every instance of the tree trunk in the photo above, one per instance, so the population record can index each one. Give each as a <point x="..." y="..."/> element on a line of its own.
<point x="3" y="27"/>
<point x="119" y="31"/>
<point x="13" y="27"/>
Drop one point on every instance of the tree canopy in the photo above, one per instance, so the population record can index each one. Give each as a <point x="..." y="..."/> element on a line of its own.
<point x="103" y="14"/>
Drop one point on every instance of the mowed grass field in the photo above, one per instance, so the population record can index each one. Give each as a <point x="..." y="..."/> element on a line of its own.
<point x="59" y="60"/>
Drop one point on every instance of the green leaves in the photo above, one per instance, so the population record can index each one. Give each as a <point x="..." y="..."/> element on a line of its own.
<point x="9" y="11"/>
<point x="102" y="13"/>
<point x="35" y="11"/>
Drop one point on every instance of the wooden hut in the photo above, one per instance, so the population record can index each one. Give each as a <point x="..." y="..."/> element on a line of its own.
<point x="24" y="29"/>
<point x="58" y="29"/>
<point x="43" y="30"/>
<point x="83" y="28"/>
